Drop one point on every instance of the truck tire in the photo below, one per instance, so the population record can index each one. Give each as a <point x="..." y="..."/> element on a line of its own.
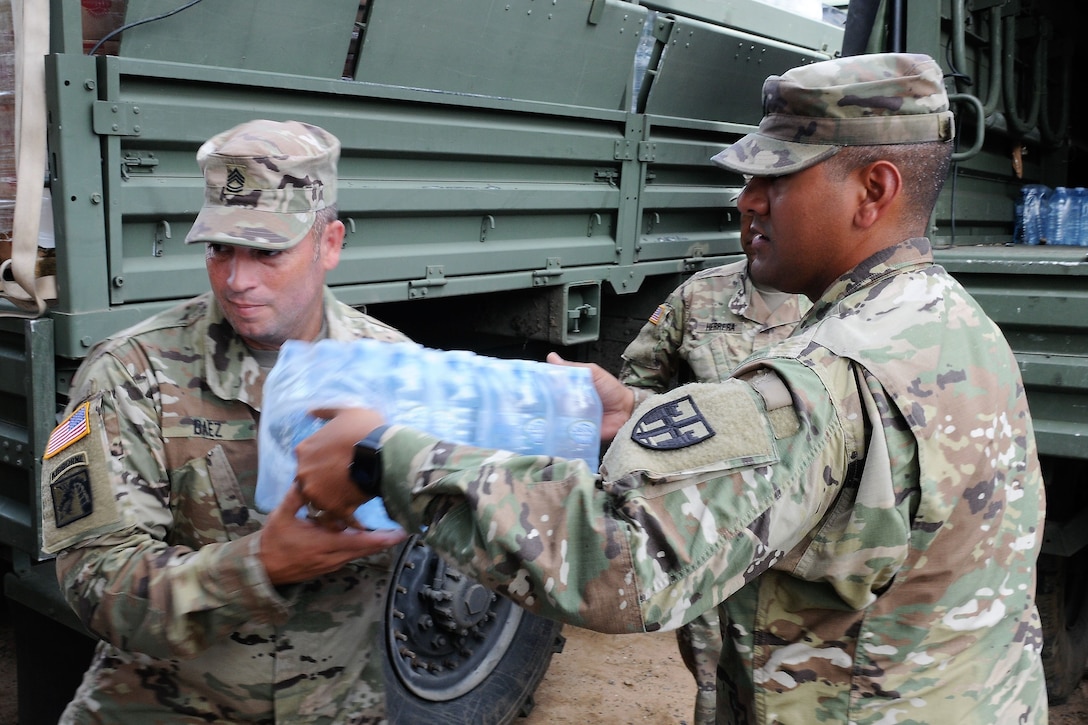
<point x="1062" y="598"/>
<point x="456" y="652"/>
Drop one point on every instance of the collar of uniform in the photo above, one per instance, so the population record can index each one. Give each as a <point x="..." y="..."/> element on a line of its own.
<point x="915" y="252"/>
<point x="748" y="302"/>
<point x="231" y="371"/>
<point x="337" y="324"/>
<point x="741" y="300"/>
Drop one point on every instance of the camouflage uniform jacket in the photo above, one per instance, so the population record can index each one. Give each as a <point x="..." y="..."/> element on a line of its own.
<point x="152" y="512"/>
<point x="708" y="325"/>
<point x="864" y="499"/>
<point x="711" y="322"/>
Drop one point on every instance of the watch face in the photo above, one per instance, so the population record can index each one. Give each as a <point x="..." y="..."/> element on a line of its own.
<point x="366" y="467"/>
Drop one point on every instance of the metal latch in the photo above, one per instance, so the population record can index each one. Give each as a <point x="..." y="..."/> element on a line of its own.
<point x="611" y="176"/>
<point x="139" y="164"/>
<point x="577" y="314"/>
<point x="696" y="260"/>
<point x="436" y="277"/>
<point x="553" y="268"/>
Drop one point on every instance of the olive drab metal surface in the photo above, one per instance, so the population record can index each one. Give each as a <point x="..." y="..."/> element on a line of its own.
<point x="572" y="54"/>
<point x="474" y="160"/>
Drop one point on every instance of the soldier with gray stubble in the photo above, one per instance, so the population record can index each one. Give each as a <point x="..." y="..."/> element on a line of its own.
<point x="207" y="610"/>
<point x="862" y="502"/>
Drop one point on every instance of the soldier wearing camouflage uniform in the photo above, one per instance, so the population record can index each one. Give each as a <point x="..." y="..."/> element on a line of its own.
<point x="703" y="330"/>
<point x="209" y="612"/>
<point x="862" y="501"/>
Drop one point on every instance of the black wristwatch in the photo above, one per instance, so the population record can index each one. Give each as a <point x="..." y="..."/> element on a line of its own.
<point x="366" y="463"/>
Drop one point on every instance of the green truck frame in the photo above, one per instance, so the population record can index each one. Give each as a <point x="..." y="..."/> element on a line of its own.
<point x="516" y="177"/>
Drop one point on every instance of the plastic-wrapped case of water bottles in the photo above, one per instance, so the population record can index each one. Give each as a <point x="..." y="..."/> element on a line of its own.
<point x="1052" y="216"/>
<point x="516" y="405"/>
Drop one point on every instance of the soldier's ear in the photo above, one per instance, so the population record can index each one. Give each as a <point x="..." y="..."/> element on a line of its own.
<point x="332" y="241"/>
<point x="881" y="184"/>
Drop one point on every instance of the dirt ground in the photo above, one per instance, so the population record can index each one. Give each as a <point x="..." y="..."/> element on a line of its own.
<point x="614" y="680"/>
<point x="599" y="679"/>
<point x="640" y="679"/>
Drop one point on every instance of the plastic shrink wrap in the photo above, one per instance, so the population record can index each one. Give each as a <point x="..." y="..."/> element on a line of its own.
<point x="516" y="405"/>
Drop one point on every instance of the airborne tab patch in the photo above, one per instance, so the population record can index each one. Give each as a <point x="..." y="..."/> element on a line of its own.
<point x="70" y="489"/>
<point x="676" y="424"/>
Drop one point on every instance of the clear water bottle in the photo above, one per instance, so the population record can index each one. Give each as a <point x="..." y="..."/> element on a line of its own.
<point x="521" y="408"/>
<point x="278" y="438"/>
<point x="576" y="429"/>
<point x="309" y="376"/>
<point x="515" y="405"/>
<point x="1081" y="195"/>
<point x="407" y="382"/>
<point x="1032" y="199"/>
<point x="1061" y="223"/>
<point x="458" y="406"/>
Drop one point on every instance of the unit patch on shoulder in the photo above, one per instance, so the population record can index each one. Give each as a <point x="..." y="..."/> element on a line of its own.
<point x="70" y="489"/>
<point x="74" y="427"/>
<point x="676" y="424"/>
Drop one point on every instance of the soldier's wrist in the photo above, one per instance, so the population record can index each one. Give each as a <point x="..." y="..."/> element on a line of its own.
<point x="639" y="396"/>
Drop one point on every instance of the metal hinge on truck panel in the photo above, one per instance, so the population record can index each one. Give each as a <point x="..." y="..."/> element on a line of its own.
<point x="115" y="118"/>
<point x="436" y="277"/>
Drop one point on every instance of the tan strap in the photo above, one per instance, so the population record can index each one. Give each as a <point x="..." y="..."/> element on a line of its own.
<point x="30" y="21"/>
<point x="770" y="387"/>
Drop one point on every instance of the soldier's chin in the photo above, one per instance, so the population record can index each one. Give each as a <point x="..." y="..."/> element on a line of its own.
<point x="761" y="272"/>
<point x="252" y="330"/>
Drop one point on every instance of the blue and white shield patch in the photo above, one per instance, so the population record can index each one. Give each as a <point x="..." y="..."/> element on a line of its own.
<point x="676" y="424"/>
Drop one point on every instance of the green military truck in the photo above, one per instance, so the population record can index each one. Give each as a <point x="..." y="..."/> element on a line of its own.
<point x="517" y="176"/>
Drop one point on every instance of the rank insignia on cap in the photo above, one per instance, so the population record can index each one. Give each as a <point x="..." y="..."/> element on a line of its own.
<point x="236" y="180"/>
<point x="676" y="424"/>
<point x="70" y="488"/>
<point x="74" y="427"/>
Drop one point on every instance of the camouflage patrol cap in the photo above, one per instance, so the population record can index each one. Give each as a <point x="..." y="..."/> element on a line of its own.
<point x="811" y="112"/>
<point x="264" y="181"/>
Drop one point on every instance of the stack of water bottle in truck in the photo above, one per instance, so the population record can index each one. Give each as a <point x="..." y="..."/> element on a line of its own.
<point x="1052" y="216"/>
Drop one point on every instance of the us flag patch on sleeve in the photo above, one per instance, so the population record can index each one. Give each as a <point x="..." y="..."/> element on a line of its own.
<point x="658" y="314"/>
<point x="74" y="427"/>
